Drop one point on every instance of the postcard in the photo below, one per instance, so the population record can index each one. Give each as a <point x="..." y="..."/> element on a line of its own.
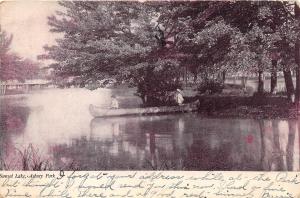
<point x="149" y="99"/>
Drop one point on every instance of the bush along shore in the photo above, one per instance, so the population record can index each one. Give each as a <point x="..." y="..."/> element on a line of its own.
<point x="255" y="107"/>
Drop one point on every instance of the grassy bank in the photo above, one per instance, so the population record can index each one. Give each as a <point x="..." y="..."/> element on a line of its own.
<point x="233" y="102"/>
<point x="256" y="107"/>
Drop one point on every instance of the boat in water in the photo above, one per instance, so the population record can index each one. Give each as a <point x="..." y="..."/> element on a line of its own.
<point x="106" y="112"/>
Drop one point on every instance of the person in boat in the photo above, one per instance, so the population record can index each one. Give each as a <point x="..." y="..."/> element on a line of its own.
<point x="179" y="97"/>
<point x="114" y="102"/>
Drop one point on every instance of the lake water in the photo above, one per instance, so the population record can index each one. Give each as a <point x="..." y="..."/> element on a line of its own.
<point x="54" y="129"/>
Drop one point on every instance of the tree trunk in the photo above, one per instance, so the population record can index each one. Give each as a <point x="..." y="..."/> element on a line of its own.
<point x="220" y="77"/>
<point x="260" y="88"/>
<point x="297" y="90"/>
<point x="297" y="58"/>
<point x="289" y="84"/>
<point x="186" y="76"/>
<point x="263" y="146"/>
<point x="278" y="160"/>
<point x="195" y="77"/>
<point x="290" y="145"/>
<point x="224" y="76"/>
<point x="273" y="76"/>
<point x="244" y="81"/>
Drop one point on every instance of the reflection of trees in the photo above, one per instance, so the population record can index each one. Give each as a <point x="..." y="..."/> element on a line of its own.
<point x="202" y="157"/>
<point x="298" y="124"/>
<point x="246" y="145"/>
<point x="263" y="144"/>
<point x="278" y="157"/>
<point x="290" y="145"/>
<point x="94" y="155"/>
<point x="12" y="121"/>
<point x="270" y="145"/>
<point x="278" y="144"/>
<point x="222" y="144"/>
<point x="97" y="154"/>
<point x="272" y="153"/>
<point x="123" y="144"/>
<point x="150" y="143"/>
<point x="13" y="118"/>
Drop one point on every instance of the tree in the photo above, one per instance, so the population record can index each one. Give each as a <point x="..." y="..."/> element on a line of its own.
<point x="12" y="66"/>
<point x="275" y="29"/>
<point x="284" y="26"/>
<point x="186" y="27"/>
<point x="5" y="41"/>
<point x="132" y="41"/>
<point x="217" y="38"/>
<point x="286" y="48"/>
<point x="109" y="39"/>
<point x="254" y="31"/>
<point x="297" y="56"/>
<point x="99" y="38"/>
<point x="150" y="86"/>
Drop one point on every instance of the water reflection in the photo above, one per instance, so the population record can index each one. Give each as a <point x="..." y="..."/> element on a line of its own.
<point x="183" y="142"/>
<point x="290" y="145"/>
<point x="70" y="138"/>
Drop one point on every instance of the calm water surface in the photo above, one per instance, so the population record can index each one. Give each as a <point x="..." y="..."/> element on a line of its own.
<point x="55" y="126"/>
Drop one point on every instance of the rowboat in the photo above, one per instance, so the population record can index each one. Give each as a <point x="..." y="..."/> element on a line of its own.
<point x="105" y="112"/>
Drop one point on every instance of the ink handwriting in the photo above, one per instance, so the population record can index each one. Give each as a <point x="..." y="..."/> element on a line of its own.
<point x="151" y="184"/>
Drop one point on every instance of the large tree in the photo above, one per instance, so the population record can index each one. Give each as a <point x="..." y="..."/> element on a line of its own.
<point x="12" y="66"/>
<point x="129" y="40"/>
<point x="110" y="39"/>
<point x="99" y="38"/>
<point x="269" y="30"/>
<point x="216" y="37"/>
<point x="297" y="54"/>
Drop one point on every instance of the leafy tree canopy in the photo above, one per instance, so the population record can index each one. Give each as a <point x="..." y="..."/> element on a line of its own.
<point x="128" y="39"/>
<point x="12" y="66"/>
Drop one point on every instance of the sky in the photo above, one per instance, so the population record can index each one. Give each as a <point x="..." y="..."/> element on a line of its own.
<point x="27" y="21"/>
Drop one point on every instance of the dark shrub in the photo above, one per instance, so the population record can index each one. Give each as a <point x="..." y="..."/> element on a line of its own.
<point x="266" y="98"/>
<point x="156" y="83"/>
<point x="211" y="87"/>
<point x="260" y="98"/>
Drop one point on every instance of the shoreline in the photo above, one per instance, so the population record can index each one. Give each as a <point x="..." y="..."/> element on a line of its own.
<point x="269" y="107"/>
<point x="245" y="112"/>
<point x="225" y="106"/>
<point x="14" y="95"/>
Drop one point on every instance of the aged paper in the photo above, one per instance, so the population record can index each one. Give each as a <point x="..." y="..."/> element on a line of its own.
<point x="50" y="121"/>
<point x="150" y="184"/>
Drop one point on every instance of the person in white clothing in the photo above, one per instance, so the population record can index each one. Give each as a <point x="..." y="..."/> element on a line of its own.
<point x="179" y="97"/>
<point x="114" y="102"/>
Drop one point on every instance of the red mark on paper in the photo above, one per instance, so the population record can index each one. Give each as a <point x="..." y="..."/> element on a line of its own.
<point x="249" y="139"/>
